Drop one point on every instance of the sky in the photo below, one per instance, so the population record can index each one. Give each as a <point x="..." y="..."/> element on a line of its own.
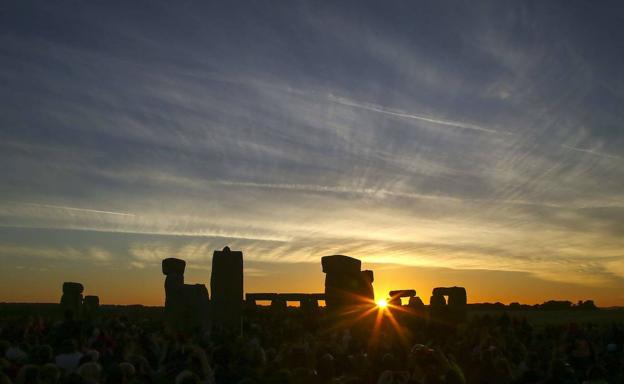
<point x="472" y="143"/>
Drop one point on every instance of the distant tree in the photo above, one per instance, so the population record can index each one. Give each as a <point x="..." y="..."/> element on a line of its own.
<point x="586" y="305"/>
<point x="556" y="305"/>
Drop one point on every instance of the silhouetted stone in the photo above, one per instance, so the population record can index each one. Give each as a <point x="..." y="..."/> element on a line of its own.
<point x="369" y="276"/>
<point x="345" y="284"/>
<point x="226" y="285"/>
<point x="92" y="302"/>
<point x="308" y="302"/>
<point x="395" y="296"/>
<point x="196" y="306"/>
<point x="340" y="264"/>
<point x="90" y="307"/>
<point x="71" y="300"/>
<point x="252" y="298"/>
<point x="187" y="306"/>
<point x="173" y="266"/>
<point x="278" y="304"/>
<point x="456" y="309"/>
<point x="73" y="288"/>
<point x="341" y="289"/>
<point x="457" y="297"/>
<point x="403" y="293"/>
<point x="437" y="301"/>
<point x="366" y="282"/>
<point x="174" y="270"/>
<point x="416" y="303"/>
<point x="394" y="302"/>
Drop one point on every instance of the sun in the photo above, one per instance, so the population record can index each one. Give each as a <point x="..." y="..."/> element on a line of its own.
<point x="381" y="303"/>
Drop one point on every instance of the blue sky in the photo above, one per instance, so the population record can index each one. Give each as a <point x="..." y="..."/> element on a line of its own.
<point x="471" y="136"/>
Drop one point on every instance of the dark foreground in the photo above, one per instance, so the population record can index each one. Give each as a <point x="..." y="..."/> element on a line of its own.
<point x="131" y="345"/>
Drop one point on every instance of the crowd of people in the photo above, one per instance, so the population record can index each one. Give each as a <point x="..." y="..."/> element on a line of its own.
<point x="293" y="347"/>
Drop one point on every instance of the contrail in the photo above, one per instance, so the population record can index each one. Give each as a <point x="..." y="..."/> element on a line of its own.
<point x="372" y="192"/>
<point x="78" y="209"/>
<point x="592" y="152"/>
<point x="398" y="113"/>
<point x="200" y="234"/>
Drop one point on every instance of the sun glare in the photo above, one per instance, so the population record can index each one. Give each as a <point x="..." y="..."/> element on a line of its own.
<point x="381" y="303"/>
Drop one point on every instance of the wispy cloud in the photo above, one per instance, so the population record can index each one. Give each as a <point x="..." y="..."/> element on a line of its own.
<point x="369" y="192"/>
<point x="593" y="152"/>
<point x="75" y="209"/>
<point x="407" y="115"/>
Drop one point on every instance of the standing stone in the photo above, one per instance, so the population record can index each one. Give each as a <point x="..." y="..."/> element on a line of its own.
<point x="187" y="306"/>
<point x="340" y="264"/>
<point x="458" y="304"/>
<point x="415" y="302"/>
<point x="91" y="306"/>
<point x="457" y="297"/>
<point x="71" y="301"/>
<point x="173" y="269"/>
<point x="309" y="305"/>
<point x="345" y="284"/>
<point x="455" y="311"/>
<point x="416" y="306"/>
<point x="279" y="305"/>
<point x="203" y="300"/>
<point x="437" y="301"/>
<point x="367" y="279"/>
<point x="226" y="285"/>
<point x="196" y="305"/>
<point x="397" y="295"/>
<point x="437" y="307"/>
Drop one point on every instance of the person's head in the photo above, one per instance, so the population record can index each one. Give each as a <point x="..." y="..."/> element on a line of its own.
<point x="50" y="373"/>
<point x="282" y="376"/>
<point x="68" y="346"/>
<point x="454" y="376"/>
<point x="560" y="369"/>
<point x="75" y="378"/>
<point x="582" y="348"/>
<point x="28" y="374"/>
<point x="91" y="355"/>
<point x="15" y="354"/>
<point x="246" y="380"/>
<point x="304" y="375"/>
<point x="596" y="373"/>
<point x="326" y="367"/>
<point x="388" y="362"/>
<point x="4" y="345"/>
<point x="43" y="354"/>
<point x="421" y="357"/>
<point x="119" y="373"/>
<point x="187" y="377"/>
<point x="141" y="364"/>
<point x="90" y="371"/>
<point x="197" y="362"/>
<point x="127" y="369"/>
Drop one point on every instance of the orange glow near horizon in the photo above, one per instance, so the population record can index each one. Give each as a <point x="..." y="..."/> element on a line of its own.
<point x="145" y="286"/>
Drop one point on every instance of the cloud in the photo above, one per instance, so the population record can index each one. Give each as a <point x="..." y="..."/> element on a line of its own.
<point x="593" y="152"/>
<point x="66" y="253"/>
<point x="82" y="210"/>
<point x="407" y="115"/>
